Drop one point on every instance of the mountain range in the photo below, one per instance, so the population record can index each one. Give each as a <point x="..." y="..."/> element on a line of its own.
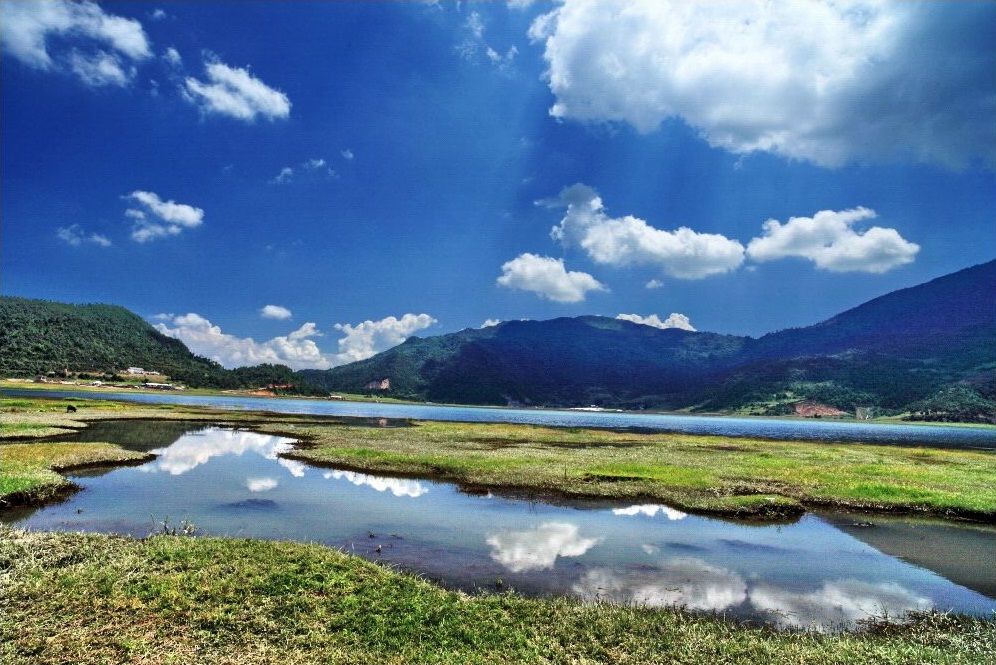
<point x="895" y="352"/>
<point x="929" y="350"/>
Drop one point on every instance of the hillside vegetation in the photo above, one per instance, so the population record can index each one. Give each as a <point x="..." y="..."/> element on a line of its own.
<point x="38" y="338"/>
<point x="928" y="351"/>
<point x="902" y="352"/>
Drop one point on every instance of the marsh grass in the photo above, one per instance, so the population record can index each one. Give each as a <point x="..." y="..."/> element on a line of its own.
<point x="30" y="472"/>
<point x="86" y="598"/>
<point x="735" y="476"/>
<point x="731" y="475"/>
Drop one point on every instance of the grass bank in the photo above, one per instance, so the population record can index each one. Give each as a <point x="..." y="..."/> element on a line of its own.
<point x="85" y="598"/>
<point x="734" y="476"/>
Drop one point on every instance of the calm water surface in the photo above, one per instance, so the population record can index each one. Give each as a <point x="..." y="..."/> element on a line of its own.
<point x="822" y="430"/>
<point x="822" y="571"/>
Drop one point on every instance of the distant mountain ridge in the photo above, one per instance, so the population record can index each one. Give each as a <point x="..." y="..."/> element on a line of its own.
<point x="886" y="354"/>
<point x="928" y="349"/>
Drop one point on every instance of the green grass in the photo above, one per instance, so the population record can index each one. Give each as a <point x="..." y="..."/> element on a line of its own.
<point x="29" y="471"/>
<point x="700" y="473"/>
<point x="734" y="476"/>
<point x="85" y="598"/>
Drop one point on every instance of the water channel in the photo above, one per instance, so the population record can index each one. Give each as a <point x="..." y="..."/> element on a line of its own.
<point x="824" y="571"/>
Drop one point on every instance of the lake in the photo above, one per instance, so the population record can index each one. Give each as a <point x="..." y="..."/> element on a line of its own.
<point x="824" y="571"/>
<point x="771" y="428"/>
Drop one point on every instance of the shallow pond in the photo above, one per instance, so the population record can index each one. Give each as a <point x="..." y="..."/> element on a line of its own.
<point x="822" y="571"/>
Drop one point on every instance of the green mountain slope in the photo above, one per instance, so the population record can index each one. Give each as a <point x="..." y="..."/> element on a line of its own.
<point x="38" y="337"/>
<point x="899" y="348"/>
<point x="890" y="352"/>
<point x="580" y="361"/>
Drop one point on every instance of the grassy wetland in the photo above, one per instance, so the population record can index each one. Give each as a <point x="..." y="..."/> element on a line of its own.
<point x="88" y="598"/>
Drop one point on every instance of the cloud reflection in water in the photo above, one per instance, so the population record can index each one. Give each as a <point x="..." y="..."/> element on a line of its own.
<point x="650" y="510"/>
<point x="838" y="601"/>
<point x="261" y="484"/>
<point x="694" y="584"/>
<point x="684" y="582"/>
<point x="396" y="486"/>
<point x="538" y="549"/>
<point x="193" y="450"/>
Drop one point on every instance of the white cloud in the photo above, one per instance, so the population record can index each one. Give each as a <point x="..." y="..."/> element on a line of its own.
<point x="371" y="337"/>
<point x="547" y="277"/>
<point x="675" y="320"/>
<point x="539" y="548"/>
<point x="172" y="56"/>
<point x="347" y="154"/>
<point x="626" y="241"/>
<point x="489" y="323"/>
<point x="654" y="284"/>
<point x="475" y="44"/>
<point x="829" y="240"/>
<point x="100" y="68"/>
<point x="316" y="166"/>
<point x="825" y="82"/>
<point x="75" y="235"/>
<point x="168" y="218"/>
<point x="284" y="176"/>
<point x="236" y="93"/>
<point x="275" y="312"/>
<point x="296" y="349"/>
<point x="29" y="28"/>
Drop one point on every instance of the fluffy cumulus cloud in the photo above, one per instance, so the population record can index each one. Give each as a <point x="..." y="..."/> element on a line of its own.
<point x="275" y="312"/>
<point x="829" y="240"/>
<point x="236" y="93"/>
<point x="77" y="37"/>
<point x="675" y="320"/>
<point x="825" y="82"/>
<point x="296" y="349"/>
<point x="630" y="241"/>
<point x="160" y="219"/>
<point x="547" y="277"/>
<point x="75" y="236"/>
<point x="371" y="337"/>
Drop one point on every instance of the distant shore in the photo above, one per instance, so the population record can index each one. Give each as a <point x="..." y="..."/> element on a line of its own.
<point x="28" y="384"/>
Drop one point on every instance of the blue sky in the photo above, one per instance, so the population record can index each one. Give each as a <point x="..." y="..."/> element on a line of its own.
<point x="310" y="183"/>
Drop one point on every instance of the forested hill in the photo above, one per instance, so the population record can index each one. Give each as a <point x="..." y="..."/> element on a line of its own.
<point x="38" y="337"/>
<point x="921" y="349"/>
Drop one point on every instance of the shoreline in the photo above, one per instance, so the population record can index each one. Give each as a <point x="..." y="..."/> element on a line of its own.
<point x="27" y="384"/>
<point x="724" y="477"/>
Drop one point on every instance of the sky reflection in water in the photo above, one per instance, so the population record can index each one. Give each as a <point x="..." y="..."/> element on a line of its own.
<point x="233" y="482"/>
